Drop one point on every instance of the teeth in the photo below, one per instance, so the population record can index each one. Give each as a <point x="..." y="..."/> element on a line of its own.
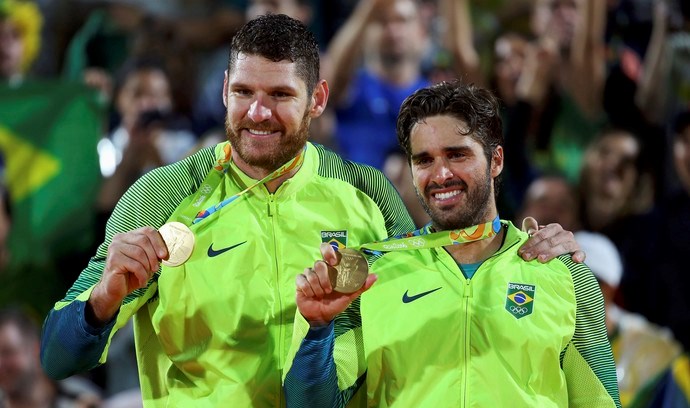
<point x="445" y="196"/>
<point x="260" y="132"/>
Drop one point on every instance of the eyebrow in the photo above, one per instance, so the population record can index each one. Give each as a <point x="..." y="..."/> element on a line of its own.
<point x="450" y="149"/>
<point x="276" y="88"/>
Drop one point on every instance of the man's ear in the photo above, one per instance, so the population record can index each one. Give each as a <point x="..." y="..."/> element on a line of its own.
<point x="319" y="99"/>
<point x="497" y="161"/>
<point x="225" y="89"/>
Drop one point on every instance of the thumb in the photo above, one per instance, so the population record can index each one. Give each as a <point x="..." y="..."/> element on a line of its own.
<point x="329" y="254"/>
<point x="530" y="225"/>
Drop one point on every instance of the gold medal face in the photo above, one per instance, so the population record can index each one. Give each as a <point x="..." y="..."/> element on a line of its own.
<point x="180" y="242"/>
<point x="351" y="272"/>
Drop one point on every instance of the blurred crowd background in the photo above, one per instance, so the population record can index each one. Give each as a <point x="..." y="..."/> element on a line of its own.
<point x="596" y="113"/>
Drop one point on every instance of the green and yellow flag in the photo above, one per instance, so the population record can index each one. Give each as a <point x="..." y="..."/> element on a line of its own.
<point x="49" y="131"/>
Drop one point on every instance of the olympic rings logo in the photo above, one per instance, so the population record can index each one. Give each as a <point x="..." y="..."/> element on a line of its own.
<point x="519" y="310"/>
<point x="417" y="242"/>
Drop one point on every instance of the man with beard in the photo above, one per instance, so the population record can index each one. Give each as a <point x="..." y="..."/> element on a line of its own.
<point x="456" y="317"/>
<point x="215" y="330"/>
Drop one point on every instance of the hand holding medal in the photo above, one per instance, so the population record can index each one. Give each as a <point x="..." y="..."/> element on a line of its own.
<point x="350" y="274"/>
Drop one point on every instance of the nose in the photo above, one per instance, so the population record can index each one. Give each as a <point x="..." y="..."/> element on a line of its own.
<point x="258" y="111"/>
<point x="441" y="172"/>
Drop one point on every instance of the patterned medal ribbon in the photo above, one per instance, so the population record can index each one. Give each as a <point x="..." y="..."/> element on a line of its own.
<point x="222" y="167"/>
<point x="424" y="238"/>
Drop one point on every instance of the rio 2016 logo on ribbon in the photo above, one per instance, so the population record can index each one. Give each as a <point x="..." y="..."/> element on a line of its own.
<point x="520" y="299"/>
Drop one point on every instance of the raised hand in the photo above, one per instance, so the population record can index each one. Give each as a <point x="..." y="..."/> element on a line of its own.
<point x="133" y="258"/>
<point x="548" y="242"/>
<point x="316" y="299"/>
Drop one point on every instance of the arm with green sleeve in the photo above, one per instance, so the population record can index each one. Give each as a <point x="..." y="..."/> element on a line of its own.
<point x="587" y="360"/>
<point x="71" y="344"/>
<point x="323" y="372"/>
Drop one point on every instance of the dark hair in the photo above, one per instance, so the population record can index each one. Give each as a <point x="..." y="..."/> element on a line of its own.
<point x="278" y="37"/>
<point x="27" y="326"/>
<point x="475" y="106"/>
<point x="137" y="64"/>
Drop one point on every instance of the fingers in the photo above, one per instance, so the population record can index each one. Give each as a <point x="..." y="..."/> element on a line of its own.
<point x="137" y="253"/>
<point x="579" y="256"/>
<point x="550" y="242"/>
<point x="329" y="254"/>
<point x="530" y="225"/>
<point x="315" y="282"/>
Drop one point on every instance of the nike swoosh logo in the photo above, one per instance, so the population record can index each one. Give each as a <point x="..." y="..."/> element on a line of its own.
<point x="213" y="252"/>
<point x="408" y="299"/>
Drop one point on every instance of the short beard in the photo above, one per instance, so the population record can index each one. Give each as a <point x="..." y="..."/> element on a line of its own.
<point x="474" y="213"/>
<point x="270" y="160"/>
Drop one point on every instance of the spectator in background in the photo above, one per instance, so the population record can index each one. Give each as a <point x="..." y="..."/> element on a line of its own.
<point x="375" y="61"/>
<point x="614" y="183"/>
<point x="557" y="96"/>
<point x="22" y="380"/>
<point x="20" y="28"/>
<point x="551" y="199"/>
<point x="641" y="349"/>
<point x="673" y="219"/>
<point x="149" y="134"/>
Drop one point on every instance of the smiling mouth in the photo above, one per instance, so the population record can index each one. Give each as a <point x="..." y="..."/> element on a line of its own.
<point x="258" y="132"/>
<point x="446" y="195"/>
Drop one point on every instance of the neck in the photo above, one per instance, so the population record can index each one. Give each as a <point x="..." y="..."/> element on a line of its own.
<point x="258" y="173"/>
<point x="402" y="72"/>
<point x="477" y="251"/>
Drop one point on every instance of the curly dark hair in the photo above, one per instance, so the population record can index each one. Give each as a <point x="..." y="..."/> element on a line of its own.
<point x="475" y="106"/>
<point x="278" y="37"/>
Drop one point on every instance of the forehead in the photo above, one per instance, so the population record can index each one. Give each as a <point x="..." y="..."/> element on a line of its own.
<point x="549" y="188"/>
<point x="10" y="335"/>
<point x="509" y="45"/>
<point x="259" y="72"/>
<point x="440" y="132"/>
<point x="274" y="6"/>
<point x="620" y="142"/>
<point x="399" y="10"/>
<point x="146" y="77"/>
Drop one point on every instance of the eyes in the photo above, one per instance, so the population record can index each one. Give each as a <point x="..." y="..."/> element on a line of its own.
<point x="452" y="156"/>
<point x="278" y="95"/>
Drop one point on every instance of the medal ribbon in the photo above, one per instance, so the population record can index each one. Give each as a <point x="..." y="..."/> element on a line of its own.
<point x="423" y="238"/>
<point x="224" y="164"/>
<point x="191" y="215"/>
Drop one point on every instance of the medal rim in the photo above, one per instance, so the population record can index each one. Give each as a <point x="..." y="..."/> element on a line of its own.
<point x="188" y="234"/>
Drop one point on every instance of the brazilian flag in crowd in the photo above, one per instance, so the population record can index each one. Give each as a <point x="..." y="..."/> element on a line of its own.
<point x="49" y="131"/>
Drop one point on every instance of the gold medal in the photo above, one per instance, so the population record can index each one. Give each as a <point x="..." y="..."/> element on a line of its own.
<point x="180" y="242"/>
<point x="351" y="272"/>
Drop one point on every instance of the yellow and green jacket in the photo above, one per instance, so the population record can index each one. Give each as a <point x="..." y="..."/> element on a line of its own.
<point x="216" y="330"/>
<point x="517" y="334"/>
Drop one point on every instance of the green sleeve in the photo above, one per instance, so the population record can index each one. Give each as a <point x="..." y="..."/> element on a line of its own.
<point x="148" y="202"/>
<point x="587" y="360"/>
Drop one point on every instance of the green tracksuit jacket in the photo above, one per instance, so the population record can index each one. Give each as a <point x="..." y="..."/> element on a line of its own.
<point x="518" y="334"/>
<point x="215" y="331"/>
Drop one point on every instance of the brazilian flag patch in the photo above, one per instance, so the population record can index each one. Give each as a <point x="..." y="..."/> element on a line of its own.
<point x="337" y="239"/>
<point x="520" y="299"/>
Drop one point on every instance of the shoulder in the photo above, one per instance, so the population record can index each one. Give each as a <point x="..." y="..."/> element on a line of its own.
<point x="154" y="196"/>
<point x="363" y="177"/>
